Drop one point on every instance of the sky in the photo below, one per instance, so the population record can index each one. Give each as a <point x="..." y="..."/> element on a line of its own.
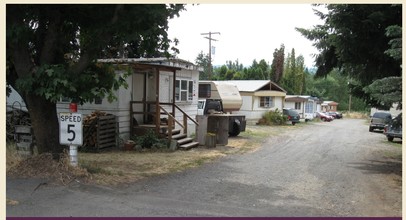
<point x="247" y="31"/>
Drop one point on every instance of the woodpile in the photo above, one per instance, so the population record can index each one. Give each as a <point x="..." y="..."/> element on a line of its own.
<point x="99" y="131"/>
<point x="14" y="118"/>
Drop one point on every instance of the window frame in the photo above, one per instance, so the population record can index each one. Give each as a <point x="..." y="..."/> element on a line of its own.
<point x="184" y="90"/>
<point x="204" y="91"/>
<point x="266" y="101"/>
<point x="298" y="104"/>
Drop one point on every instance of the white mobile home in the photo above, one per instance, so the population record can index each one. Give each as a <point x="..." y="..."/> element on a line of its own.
<point x="157" y="87"/>
<point x="306" y="106"/>
<point x="258" y="97"/>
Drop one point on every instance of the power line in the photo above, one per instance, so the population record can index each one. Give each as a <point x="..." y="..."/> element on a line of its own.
<point x="210" y="39"/>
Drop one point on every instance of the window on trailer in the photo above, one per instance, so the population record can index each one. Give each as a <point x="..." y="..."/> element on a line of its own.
<point x="183" y="90"/>
<point x="266" y="102"/>
<point x="204" y="91"/>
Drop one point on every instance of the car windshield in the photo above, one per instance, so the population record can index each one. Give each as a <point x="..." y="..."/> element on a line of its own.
<point x="382" y="115"/>
<point x="293" y="112"/>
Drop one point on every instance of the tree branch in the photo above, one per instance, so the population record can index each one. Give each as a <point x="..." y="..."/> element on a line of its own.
<point x="47" y="55"/>
<point x="17" y="48"/>
<point x="87" y="56"/>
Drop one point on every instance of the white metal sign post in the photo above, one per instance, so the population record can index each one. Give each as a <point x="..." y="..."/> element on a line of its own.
<point x="70" y="127"/>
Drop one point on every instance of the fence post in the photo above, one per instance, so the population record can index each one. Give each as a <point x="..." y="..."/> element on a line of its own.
<point x="185" y="123"/>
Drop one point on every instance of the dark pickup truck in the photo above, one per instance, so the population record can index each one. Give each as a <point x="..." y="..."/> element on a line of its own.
<point x="394" y="128"/>
<point x="379" y="120"/>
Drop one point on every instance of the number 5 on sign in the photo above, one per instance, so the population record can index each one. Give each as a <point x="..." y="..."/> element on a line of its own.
<point x="70" y="129"/>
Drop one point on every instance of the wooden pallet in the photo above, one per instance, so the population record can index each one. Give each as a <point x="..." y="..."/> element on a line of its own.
<point x="106" y="131"/>
<point x="24" y="140"/>
<point x="100" y="133"/>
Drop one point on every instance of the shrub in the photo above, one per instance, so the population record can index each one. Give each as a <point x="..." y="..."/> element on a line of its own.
<point x="274" y="118"/>
<point x="151" y="140"/>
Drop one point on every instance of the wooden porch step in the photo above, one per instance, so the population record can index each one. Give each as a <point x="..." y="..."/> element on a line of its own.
<point x="188" y="146"/>
<point x="179" y="136"/>
<point x="174" y="131"/>
<point x="185" y="141"/>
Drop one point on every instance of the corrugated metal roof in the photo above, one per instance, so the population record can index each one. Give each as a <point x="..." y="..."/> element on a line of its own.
<point x="162" y="61"/>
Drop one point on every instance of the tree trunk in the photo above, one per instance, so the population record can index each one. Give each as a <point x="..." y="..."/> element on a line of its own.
<point x="45" y="125"/>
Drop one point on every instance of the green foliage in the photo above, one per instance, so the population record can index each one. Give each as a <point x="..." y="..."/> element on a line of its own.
<point x="334" y="87"/>
<point x="293" y="80"/>
<point x="151" y="140"/>
<point x="359" y="38"/>
<point x="274" y="118"/>
<point x="64" y="41"/>
<point x="362" y="40"/>
<point x="54" y="82"/>
<point x="386" y="91"/>
<point x="395" y="32"/>
<point x="277" y="65"/>
<point x="203" y="61"/>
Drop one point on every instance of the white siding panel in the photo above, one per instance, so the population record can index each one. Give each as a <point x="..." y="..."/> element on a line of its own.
<point x="165" y="94"/>
<point x="289" y="105"/>
<point x="246" y="103"/>
<point x="278" y="103"/>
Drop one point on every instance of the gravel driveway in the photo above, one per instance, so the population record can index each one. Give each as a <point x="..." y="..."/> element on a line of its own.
<point x="322" y="169"/>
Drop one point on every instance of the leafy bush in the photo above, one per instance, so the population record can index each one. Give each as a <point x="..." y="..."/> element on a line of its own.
<point x="150" y="140"/>
<point x="273" y="118"/>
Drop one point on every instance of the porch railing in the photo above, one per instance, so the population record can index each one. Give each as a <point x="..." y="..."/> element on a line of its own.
<point x="147" y="111"/>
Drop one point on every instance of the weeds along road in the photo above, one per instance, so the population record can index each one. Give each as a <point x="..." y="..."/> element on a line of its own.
<point x="321" y="169"/>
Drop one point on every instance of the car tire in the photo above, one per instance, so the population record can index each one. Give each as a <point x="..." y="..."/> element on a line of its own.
<point x="390" y="138"/>
<point x="293" y="123"/>
<point x="371" y="129"/>
<point x="236" y="130"/>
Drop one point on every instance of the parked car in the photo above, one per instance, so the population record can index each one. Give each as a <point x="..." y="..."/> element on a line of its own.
<point x="338" y="115"/>
<point x="323" y="116"/>
<point x="379" y="120"/>
<point x="332" y="114"/>
<point x="394" y="128"/>
<point x="292" y="114"/>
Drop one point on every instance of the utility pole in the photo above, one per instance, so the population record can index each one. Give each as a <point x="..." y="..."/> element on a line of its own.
<point x="210" y="39"/>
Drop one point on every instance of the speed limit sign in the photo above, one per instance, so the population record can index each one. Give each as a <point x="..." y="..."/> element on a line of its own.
<point x="70" y="129"/>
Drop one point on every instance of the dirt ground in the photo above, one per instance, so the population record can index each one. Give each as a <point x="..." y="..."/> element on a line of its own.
<point x="114" y="166"/>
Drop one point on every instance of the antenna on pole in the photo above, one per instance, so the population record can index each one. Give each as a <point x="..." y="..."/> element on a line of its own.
<point x="210" y="39"/>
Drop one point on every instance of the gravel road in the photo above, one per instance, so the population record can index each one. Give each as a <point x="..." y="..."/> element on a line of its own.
<point x="322" y="169"/>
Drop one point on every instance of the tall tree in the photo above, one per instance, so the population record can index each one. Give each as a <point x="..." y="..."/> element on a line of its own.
<point x="51" y="52"/>
<point x="257" y="70"/>
<point x="277" y="64"/>
<point x="353" y="39"/>
<point x="300" y="76"/>
<point x="237" y="66"/>
<point x="289" y="75"/>
<point x="203" y="61"/>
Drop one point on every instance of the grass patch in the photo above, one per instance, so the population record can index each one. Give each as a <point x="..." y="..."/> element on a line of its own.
<point x="356" y="115"/>
<point x="397" y="143"/>
<point x="116" y="167"/>
<point x="12" y="156"/>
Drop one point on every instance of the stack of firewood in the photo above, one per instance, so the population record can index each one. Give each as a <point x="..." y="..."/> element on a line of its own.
<point x="13" y="118"/>
<point x="90" y="128"/>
